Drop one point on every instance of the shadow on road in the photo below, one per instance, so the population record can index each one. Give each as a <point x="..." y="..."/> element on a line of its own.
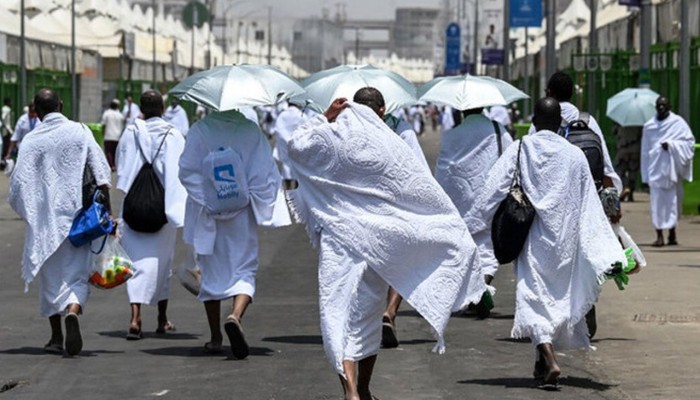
<point x="513" y="340"/>
<point x="572" y="381"/>
<point x="295" y="339"/>
<point x="153" y="335"/>
<point x="189" y="351"/>
<point x="39" y="351"/>
<point x="612" y="339"/>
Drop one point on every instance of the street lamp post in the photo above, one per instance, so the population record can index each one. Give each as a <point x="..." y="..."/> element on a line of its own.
<point x="22" y="60"/>
<point x="74" y="72"/>
<point x="154" y="44"/>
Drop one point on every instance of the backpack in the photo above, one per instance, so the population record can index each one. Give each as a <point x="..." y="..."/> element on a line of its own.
<point x="582" y="136"/>
<point x="144" y="204"/>
<point x="225" y="182"/>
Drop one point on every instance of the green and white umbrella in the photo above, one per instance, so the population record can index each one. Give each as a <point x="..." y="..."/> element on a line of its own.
<point x="465" y="92"/>
<point x="632" y="106"/>
<point x="343" y="81"/>
<point x="228" y="87"/>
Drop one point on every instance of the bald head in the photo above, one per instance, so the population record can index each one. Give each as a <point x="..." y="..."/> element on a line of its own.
<point x="547" y="114"/>
<point x="46" y="101"/>
<point x="152" y="104"/>
<point x="371" y="98"/>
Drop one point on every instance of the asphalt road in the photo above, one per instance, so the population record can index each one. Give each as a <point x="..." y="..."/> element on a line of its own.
<point x="634" y="361"/>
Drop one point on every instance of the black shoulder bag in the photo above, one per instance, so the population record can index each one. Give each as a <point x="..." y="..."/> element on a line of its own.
<point x="512" y="221"/>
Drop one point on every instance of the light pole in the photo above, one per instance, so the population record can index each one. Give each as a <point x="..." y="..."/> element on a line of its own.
<point x="238" y="34"/>
<point x="73" y="72"/>
<point x="154" y="44"/>
<point x="22" y="60"/>
<point x="684" y="95"/>
<point x="551" y="60"/>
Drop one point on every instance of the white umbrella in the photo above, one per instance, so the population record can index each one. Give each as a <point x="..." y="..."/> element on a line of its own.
<point x="228" y="87"/>
<point x="632" y="106"/>
<point x="343" y="81"/>
<point x="465" y="92"/>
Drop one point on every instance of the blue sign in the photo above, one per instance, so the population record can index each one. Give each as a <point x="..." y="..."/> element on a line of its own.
<point x="631" y="3"/>
<point x="492" y="56"/>
<point x="453" y="59"/>
<point x="525" y="13"/>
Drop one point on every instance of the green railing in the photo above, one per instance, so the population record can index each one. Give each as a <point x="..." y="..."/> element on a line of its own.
<point x="691" y="199"/>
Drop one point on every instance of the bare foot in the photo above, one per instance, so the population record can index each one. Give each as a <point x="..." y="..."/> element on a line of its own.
<point x="552" y="373"/>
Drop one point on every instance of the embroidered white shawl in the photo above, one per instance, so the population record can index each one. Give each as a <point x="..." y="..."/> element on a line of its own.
<point x="467" y="153"/>
<point x="570" y="246"/>
<point x="665" y="168"/>
<point x="46" y="185"/>
<point x="360" y="184"/>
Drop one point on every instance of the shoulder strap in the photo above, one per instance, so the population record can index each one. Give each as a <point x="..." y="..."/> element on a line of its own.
<point x="516" y="177"/>
<point x="161" y="143"/>
<point x="498" y="137"/>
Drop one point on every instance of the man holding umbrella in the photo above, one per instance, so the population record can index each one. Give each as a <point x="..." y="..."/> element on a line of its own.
<point x="667" y="160"/>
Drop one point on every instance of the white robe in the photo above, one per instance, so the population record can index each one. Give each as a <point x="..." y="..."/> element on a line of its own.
<point x="177" y="116"/>
<point x="406" y="132"/>
<point x="46" y="191"/>
<point x="665" y="170"/>
<point x="569" y="113"/>
<point x="500" y="114"/>
<point x="366" y="200"/>
<point x="570" y="245"/>
<point x="227" y="247"/>
<point x="287" y="121"/>
<point x="152" y="253"/>
<point x="130" y="117"/>
<point x="467" y="153"/>
<point x="447" y="120"/>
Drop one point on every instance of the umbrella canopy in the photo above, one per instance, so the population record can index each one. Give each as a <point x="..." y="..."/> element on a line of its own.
<point x="228" y="87"/>
<point x="465" y="92"/>
<point x="343" y="81"/>
<point x="632" y="106"/>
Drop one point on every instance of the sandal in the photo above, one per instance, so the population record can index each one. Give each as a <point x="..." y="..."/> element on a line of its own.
<point x="169" y="326"/>
<point x="389" y="338"/>
<point x="74" y="340"/>
<point x="213" y="348"/>
<point x="53" y="348"/>
<point x="134" y="333"/>
<point x="234" y="331"/>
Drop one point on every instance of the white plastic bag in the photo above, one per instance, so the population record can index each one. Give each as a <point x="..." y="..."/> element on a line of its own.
<point x="188" y="272"/>
<point x="628" y="242"/>
<point x="112" y="266"/>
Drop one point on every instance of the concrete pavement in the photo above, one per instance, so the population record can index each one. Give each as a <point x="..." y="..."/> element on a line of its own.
<point x="647" y="336"/>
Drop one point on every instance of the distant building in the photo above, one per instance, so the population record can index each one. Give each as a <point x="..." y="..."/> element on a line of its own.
<point x="416" y="32"/>
<point x="317" y="44"/>
<point x="173" y="7"/>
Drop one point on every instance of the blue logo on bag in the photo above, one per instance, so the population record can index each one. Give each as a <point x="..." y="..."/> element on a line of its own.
<point x="219" y="173"/>
<point x="225" y="173"/>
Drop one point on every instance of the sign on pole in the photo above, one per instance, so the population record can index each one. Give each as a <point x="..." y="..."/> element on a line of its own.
<point x="195" y="14"/>
<point x="491" y="32"/>
<point x="525" y="13"/>
<point x="452" y="50"/>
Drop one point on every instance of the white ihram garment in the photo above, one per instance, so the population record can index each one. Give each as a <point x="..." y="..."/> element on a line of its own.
<point x="369" y="204"/>
<point x="665" y="170"/>
<point x="569" y="113"/>
<point x="152" y="253"/>
<point x="406" y="132"/>
<point x="467" y="153"/>
<point x="287" y="122"/>
<point x="46" y="191"/>
<point x="227" y="246"/>
<point x="570" y="245"/>
<point x="177" y="116"/>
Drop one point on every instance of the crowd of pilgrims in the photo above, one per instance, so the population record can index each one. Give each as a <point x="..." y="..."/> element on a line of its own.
<point x="355" y="177"/>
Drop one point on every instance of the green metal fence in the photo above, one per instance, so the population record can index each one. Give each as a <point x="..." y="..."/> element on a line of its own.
<point x="36" y="79"/>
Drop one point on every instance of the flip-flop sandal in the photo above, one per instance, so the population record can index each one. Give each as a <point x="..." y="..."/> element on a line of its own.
<point x="389" y="339"/>
<point x="53" y="348"/>
<point x="213" y="348"/>
<point x="169" y="326"/>
<point x="549" y="387"/>
<point x="134" y="333"/>
<point x="74" y="341"/>
<point x="239" y="347"/>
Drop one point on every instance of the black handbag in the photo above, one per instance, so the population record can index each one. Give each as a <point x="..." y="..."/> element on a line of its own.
<point x="512" y="221"/>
